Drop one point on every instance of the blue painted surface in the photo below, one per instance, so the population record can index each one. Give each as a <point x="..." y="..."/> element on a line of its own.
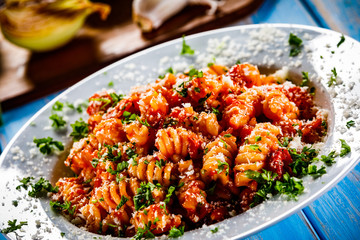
<point x="336" y="215"/>
<point x="283" y="11"/>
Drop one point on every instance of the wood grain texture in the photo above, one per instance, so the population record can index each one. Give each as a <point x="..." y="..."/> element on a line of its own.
<point x="24" y="75"/>
<point x="339" y="15"/>
<point x="336" y="215"/>
<point x="294" y="226"/>
<point x="280" y="11"/>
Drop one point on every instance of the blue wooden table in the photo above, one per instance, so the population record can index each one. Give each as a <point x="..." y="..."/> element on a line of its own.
<point x="336" y="215"/>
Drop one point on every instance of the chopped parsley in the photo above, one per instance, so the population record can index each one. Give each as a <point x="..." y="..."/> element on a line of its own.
<point x="350" y="124"/>
<point x="94" y="162"/>
<point x="186" y="49"/>
<point x="25" y="183"/>
<point x="144" y="197"/>
<point x="66" y="206"/>
<point x="80" y="130"/>
<point x="169" y="70"/>
<point x="144" y="233"/>
<point x="15" y="203"/>
<point x="132" y="117"/>
<point x="40" y="186"/>
<point x="313" y="171"/>
<point x="295" y="43"/>
<point x="47" y="145"/>
<point x="215" y="230"/>
<point x="342" y="40"/>
<point x="116" y="97"/>
<point x="13" y="226"/>
<point x="305" y="79"/>
<point x="285" y="142"/>
<point x="203" y="100"/>
<point x="345" y="148"/>
<point x="216" y="111"/>
<point x="221" y="167"/>
<point x="289" y="186"/>
<point x="302" y="160"/>
<point x="131" y="154"/>
<point x="58" y="106"/>
<point x="160" y="163"/>
<point x="171" y="190"/>
<point x="122" y="166"/>
<point x="122" y="202"/>
<point x="329" y="159"/>
<point x="176" y="232"/>
<point x="58" y="121"/>
<point x="255" y="147"/>
<point x="333" y="77"/>
<point x="104" y="100"/>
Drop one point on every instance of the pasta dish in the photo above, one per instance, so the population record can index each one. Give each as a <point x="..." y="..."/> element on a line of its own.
<point x="190" y="149"/>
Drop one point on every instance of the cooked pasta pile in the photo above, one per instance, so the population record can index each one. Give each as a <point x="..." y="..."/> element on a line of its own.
<point x="175" y="154"/>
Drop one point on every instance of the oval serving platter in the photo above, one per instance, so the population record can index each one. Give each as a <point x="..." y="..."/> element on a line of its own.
<point x="263" y="45"/>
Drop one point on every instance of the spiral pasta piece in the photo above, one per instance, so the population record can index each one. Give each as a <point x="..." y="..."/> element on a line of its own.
<point x="71" y="190"/>
<point x="218" y="160"/>
<point x="177" y="144"/>
<point x="158" y="217"/>
<point x="152" y="170"/>
<point x="240" y="110"/>
<point x="277" y="106"/>
<point x="92" y="215"/>
<point x="252" y="156"/>
<point x="207" y="124"/>
<point x="153" y="107"/>
<point x="191" y="195"/>
<point x="109" y="194"/>
<point x="186" y="117"/>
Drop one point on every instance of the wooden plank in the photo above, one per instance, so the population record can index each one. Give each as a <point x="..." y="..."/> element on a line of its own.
<point x="342" y="16"/>
<point x="294" y="226"/>
<point x="290" y="11"/>
<point x="336" y="215"/>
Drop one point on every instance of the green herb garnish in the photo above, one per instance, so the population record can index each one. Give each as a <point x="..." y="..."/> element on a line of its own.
<point x="186" y="49"/>
<point x="47" y="145"/>
<point x="80" y="130"/>
<point x="176" y="232"/>
<point x="345" y="148"/>
<point x="333" y="77"/>
<point x="58" y="121"/>
<point x="295" y="43"/>
<point x="13" y="226"/>
<point x="342" y="39"/>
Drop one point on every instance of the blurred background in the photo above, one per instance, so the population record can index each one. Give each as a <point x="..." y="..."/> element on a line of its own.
<point x="107" y="33"/>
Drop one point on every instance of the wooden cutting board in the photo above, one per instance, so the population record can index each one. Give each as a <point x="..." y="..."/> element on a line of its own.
<point x="25" y="76"/>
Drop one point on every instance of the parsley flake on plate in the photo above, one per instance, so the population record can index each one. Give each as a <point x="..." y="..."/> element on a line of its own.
<point x="186" y="49"/>
<point x="295" y="43"/>
<point x="80" y="130"/>
<point x="13" y="226"/>
<point x="47" y="145"/>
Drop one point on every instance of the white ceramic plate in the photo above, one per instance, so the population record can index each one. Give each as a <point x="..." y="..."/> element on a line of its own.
<point x="263" y="45"/>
